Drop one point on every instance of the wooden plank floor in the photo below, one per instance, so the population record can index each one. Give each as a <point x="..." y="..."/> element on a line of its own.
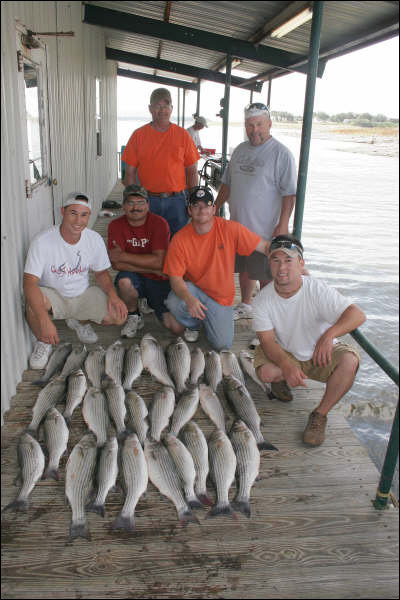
<point x="313" y="531"/>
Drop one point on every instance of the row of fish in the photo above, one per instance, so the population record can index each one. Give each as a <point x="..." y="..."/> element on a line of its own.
<point x="177" y="467"/>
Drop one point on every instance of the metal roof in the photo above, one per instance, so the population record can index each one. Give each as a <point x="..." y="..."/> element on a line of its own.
<point x="201" y="34"/>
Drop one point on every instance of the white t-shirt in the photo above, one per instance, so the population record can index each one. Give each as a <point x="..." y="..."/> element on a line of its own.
<point x="258" y="178"/>
<point x="65" y="267"/>
<point x="195" y="135"/>
<point x="299" y="321"/>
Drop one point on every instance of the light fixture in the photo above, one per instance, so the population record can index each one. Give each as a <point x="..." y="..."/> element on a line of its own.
<point x="288" y="26"/>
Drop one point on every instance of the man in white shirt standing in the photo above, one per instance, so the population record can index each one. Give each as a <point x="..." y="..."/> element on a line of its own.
<point x="198" y="125"/>
<point x="297" y="320"/>
<point x="259" y="185"/>
<point x="56" y="280"/>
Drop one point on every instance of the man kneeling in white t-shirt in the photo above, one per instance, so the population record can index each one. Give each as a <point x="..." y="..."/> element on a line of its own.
<point x="297" y="319"/>
<point x="56" y="280"/>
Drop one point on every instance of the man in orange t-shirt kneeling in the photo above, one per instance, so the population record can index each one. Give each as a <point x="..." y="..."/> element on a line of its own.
<point x="200" y="264"/>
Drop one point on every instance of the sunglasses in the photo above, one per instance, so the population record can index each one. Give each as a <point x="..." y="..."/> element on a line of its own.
<point x="258" y="105"/>
<point x="288" y="244"/>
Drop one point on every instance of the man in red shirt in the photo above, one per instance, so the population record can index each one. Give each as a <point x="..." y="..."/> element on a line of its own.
<point x="200" y="264"/>
<point x="163" y="158"/>
<point x="137" y="243"/>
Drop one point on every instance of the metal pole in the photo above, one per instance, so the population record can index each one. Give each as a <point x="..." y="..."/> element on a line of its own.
<point x="251" y="96"/>
<point x="389" y="465"/>
<point x="269" y="92"/>
<point x="307" y="116"/>
<point x="183" y="107"/>
<point x="179" y="105"/>
<point x="225" y="112"/>
<point x="198" y="98"/>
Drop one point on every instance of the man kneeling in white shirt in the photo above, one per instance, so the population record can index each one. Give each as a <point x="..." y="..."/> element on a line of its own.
<point x="56" y="280"/>
<point x="297" y="319"/>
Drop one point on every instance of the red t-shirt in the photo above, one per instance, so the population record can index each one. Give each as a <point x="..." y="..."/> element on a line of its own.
<point x="161" y="157"/>
<point x="208" y="260"/>
<point x="153" y="235"/>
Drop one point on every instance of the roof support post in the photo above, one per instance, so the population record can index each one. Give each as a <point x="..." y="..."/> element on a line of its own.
<point x="179" y="106"/>
<point x="269" y="93"/>
<point x="198" y="98"/>
<point x="307" y="116"/>
<point x="225" y="112"/>
<point x="183" y="107"/>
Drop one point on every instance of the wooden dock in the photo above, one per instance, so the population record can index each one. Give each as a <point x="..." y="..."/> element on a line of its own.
<point x="313" y="531"/>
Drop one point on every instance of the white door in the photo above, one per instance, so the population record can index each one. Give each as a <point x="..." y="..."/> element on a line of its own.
<point x="32" y="83"/>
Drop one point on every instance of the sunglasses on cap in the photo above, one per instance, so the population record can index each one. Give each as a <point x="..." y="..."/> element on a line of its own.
<point x="258" y="105"/>
<point x="278" y="244"/>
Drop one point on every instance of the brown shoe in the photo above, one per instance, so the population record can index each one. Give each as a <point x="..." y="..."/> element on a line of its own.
<point x="314" y="433"/>
<point x="281" y="391"/>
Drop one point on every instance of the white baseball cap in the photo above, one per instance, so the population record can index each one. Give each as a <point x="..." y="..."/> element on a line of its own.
<point x="77" y="198"/>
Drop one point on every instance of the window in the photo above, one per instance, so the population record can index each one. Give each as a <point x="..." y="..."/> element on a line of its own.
<point x="34" y="122"/>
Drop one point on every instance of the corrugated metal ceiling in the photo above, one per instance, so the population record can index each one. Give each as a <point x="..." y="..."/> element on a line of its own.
<point x="345" y="25"/>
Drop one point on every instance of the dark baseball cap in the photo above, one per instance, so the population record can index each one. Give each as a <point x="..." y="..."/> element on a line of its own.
<point x="134" y="190"/>
<point x="201" y="193"/>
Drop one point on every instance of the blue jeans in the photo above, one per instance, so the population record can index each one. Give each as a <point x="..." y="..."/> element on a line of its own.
<point x="155" y="290"/>
<point x="172" y="208"/>
<point x="218" y="323"/>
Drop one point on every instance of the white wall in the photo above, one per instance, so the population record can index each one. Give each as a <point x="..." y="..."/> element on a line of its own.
<point x="73" y="65"/>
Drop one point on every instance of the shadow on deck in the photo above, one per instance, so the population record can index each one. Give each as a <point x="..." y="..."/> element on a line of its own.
<point x="313" y="532"/>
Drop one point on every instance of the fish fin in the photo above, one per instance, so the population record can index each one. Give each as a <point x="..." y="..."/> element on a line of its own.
<point x="96" y="508"/>
<point x="221" y="509"/>
<point x="79" y="530"/>
<point x="18" y="505"/>
<point x="205" y="499"/>
<point x="265" y="445"/>
<point x="242" y="506"/>
<point x="51" y="472"/>
<point x="186" y="516"/>
<point x="127" y="523"/>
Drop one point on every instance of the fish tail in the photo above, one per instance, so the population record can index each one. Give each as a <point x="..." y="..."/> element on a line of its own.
<point x="242" y="505"/>
<point x="51" y="472"/>
<point x="121" y="522"/>
<point x="20" y="505"/>
<point x="79" y="529"/>
<point x="194" y="502"/>
<point x="122" y="435"/>
<point x="205" y="499"/>
<point x="32" y="431"/>
<point x="68" y="419"/>
<point x="221" y="509"/>
<point x="40" y="382"/>
<point x="96" y="508"/>
<point x="265" y="445"/>
<point x="186" y="516"/>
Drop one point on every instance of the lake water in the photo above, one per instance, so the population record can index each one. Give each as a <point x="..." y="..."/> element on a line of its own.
<point x="351" y="240"/>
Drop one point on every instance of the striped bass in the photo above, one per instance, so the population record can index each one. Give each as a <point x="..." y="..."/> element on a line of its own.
<point x="56" y="435"/>
<point x="230" y="365"/>
<point x="248" y="464"/>
<point x="115" y="395"/>
<point x="48" y="397"/>
<point x="194" y="440"/>
<point x="74" y="360"/>
<point x="134" y="469"/>
<point x="213" y="369"/>
<point x="211" y="405"/>
<point x="133" y="366"/>
<point x="154" y="360"/>
<point x="77" y="387"/>
<point x="162" y="407"/>
<point x="162" y="474"/>
<point x="178" y="361"/>
<point x="184" y="410"/>
<point x="137" y="415"/>
<point x="79" y="482"/>
<point x="106" y="475"/>
<point x="222" y="468"/>
<point x="31" y="463"/>
<point x="95" y="414"/>
<point x="55" y="362"/>
<point x="94" y="366"/>
<point x="114" y="361"/>
<point x="247" y="362"/>
<point x="197" y="365"/>
<point x="184" y="465"/>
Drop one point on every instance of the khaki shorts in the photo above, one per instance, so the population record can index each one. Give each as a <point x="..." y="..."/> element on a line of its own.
<point x="309" y="369"/>
<point x="256" y="266"/>
<point x="92" y="305"/>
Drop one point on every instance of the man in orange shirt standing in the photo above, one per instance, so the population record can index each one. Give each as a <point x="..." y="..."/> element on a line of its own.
<point x="200" y="264"/>
<point x="163" y="157"/>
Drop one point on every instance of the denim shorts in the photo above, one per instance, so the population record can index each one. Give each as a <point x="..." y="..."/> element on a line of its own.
<point x="155" y="290"/>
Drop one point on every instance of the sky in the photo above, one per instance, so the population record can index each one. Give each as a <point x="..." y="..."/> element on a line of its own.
<point x="363" y="81"/>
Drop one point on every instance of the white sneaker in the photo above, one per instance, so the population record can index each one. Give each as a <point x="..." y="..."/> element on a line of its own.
<point x="85" y="333"/>
<point x="133" y="323"/>
<point x="254" y="342"/>
<point x="242" y="311"/>
<point x="144" y="308"/>
<point x="191" y="335"/>
<point x="40" y="355"/>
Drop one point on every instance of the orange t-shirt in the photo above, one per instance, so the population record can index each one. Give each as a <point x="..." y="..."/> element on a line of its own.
<point x="161" y="158"/>
<point x="208" y="260"/>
